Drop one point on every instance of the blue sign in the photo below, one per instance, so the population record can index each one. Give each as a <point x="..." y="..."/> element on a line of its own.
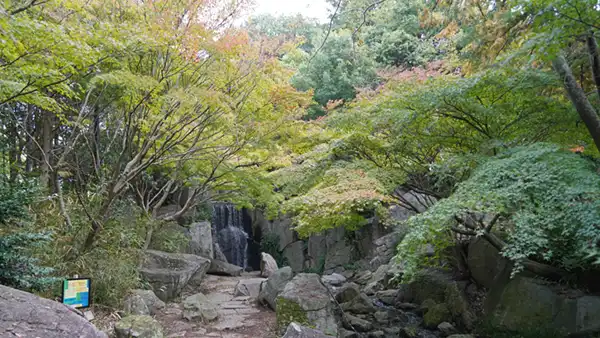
<point x="76" y="292"/>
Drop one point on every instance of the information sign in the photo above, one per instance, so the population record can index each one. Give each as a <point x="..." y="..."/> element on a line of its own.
<point x="76" y="292"/>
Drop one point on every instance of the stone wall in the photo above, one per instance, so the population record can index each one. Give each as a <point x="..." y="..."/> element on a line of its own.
<point x="334" y="250"/>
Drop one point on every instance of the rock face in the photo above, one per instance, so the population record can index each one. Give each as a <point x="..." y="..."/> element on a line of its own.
<point x="199" y="307"/>
<point x="138" y="327"/>
<point x="268" y="265"/>
<point x="249" y="287"/>
<point x="335" y="279"/>
<point x="295" y="330"/>
<point x="168" y="273"/>
<point x="307" y="301"/>
<point x="224" y="269"/>
<point x="384" y="249"/>
<point x="274" y="286"/>
<point x="142" y="302"/>
<point x="201" y="241"/>
<point x="525" y="303"/>
<point x="23" y="314"/>
<point x="484" y="261"/>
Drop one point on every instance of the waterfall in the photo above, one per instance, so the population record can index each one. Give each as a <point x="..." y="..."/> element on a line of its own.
<point x="228" y="230"/>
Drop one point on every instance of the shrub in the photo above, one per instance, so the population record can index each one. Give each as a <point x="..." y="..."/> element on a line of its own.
<point x="18" y="268"/>
<point x="547" y="201"/>
<point x="270" y="244"/>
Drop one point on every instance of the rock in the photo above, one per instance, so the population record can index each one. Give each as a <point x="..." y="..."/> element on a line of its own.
<point x="446" y="329"/>
<point x="307" y="301"/>
<point x="295" y="330"/>
<point x="218" y="253"/>
<point x="138" y="327"/>
<point x="385" y="249"/>
<point x="268" y="265"/>
<point x="382" y="317"/>
<point x="376" y="334"/>
<point x="427" y="283"/>
<point x="456" y="301"/>
<point x="23" y="314"/>
<point x="222" y="268"/>
<point x="354" y="323"/>
<point x="363" y="277"/>
<point x="380" y="279"/>
<point x="523" y="304"/>
<point x="199" y="307"/>
<point x="360" y="304"/>
<point x="201" y="241"/>
<point x="343" y="333"/>
<point x="168" y="273"/>
<point x="249" y="287"/>
<point x="335" y="279"/>
<point x="274" y="286"/>
<point x="461" y="336"/>
<point x="387" y="297"/>
<point x="484" y="262"/>
<point x="294" y="253"/>
<point x="347" y="293"/>
<point x="407" y="306"/>
<point x="435" y="315"/>
<point x="143" y="302"/>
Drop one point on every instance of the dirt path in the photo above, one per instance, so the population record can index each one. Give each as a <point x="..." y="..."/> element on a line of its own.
<point x="239" y="317"/>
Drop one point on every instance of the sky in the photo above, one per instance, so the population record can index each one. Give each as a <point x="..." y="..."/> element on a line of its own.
<point x="310" y="8"/>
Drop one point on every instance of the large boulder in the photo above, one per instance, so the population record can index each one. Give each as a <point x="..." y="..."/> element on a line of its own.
<point x="295" y="330"/>
<point x="142" y="302"/>
<point x="201" y="241"/>
<point x="137" y="327"/>
<point x="224" y="269"/>
<point x="294" y="254"/>
<point x="268" y="265"/>
<point x="23" y="314"/>
<point x="274" y="286"/>
<point x="361" y="304"/>
<point x="484" y="262"/>
<point x="347" y="292"/>
<point x="218" y="253"/>
<point x="427" y="284"/>
<point x="526" y="304"/>
<point x="307" y="301"/>
<point x="168" y="273"/>
<point x="248" y="287"/>
<point x="199" y="307"/>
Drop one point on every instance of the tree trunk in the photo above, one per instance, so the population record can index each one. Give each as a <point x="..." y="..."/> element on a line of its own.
<point x="587" y="113"/>
<point x="594" y="60"/>
<point x="47" y="127"/>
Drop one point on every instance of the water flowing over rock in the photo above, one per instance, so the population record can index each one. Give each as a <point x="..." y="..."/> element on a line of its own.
<point x="23" y="314"/>
<point x="231" y="234"/>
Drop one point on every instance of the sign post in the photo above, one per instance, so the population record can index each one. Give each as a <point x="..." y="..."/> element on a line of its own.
<point x="76" y="292"/>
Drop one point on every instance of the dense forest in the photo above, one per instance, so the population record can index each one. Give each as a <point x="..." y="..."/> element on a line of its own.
<point x="488" y="111"/>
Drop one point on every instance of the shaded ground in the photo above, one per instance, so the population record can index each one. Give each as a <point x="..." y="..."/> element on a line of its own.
<point x="239" y="317"/>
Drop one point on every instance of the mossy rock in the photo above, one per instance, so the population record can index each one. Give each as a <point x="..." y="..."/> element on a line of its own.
<point x="138" y="327"/>
<point x="436" y="315"/>
<point x="288" y="312"/>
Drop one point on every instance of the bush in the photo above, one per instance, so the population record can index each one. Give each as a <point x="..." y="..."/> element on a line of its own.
<point x="18" y="268"/>
<point x="548" y="201"/>
<point x="270" y="244"/>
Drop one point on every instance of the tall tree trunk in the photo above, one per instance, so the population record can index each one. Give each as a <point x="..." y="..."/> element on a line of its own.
<point x="585" y="109"/>
<point x="594" y="60"/>
<point x="47" y="130"/>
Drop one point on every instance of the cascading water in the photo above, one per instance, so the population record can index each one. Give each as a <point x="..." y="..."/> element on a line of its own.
<point x="228" y="229"/>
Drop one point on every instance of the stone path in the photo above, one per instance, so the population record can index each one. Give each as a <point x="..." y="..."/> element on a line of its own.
<point x="239" y="317"/>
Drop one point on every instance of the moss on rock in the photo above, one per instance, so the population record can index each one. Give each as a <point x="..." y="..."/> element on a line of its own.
<point x="289" y="311"/>
<point x="436" y="314"/>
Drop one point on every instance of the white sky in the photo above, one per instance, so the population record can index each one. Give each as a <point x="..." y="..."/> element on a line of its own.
<point x="310" y="8"/>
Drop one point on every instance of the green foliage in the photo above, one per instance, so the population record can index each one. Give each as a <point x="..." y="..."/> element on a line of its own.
<point x="15" y="199"/>
<point x="547" y="201"/>
<point x="18" y="268"/>
<point x="336" y="70"/>
<point x="270" y="244"/>
<point x="169" y="238"/>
